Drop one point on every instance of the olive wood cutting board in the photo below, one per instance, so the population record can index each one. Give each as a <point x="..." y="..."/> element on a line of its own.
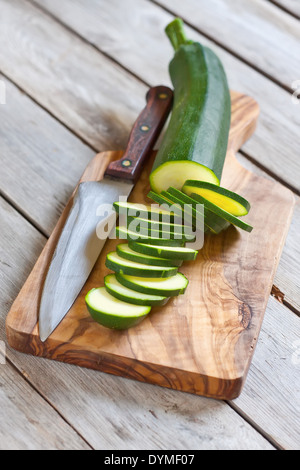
<point x="203" y="341"/>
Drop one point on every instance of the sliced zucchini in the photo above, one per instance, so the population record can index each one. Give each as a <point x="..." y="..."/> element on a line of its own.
<point x="169" y="287"/>
<point x="165" y="202"/>
<point x="149" y="225"/>
<point x="133" y="297"/>
<point x="184" y="214"/>
<point x="212" y="221"/>
<point x="139" y="228"/>
<point x="114" y="313"/>
<point x="130" y="209"/>
<point x="125" y="234"/>
<point x="222" y="213"/>
<point x="190" y="211"/>
<point x="124" y="251"/>
<point x="221" y="197"/>
<point x="124" y="266"/>
<point x="174" y="253"/>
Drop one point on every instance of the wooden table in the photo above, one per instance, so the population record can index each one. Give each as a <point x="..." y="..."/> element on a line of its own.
<point x="74" y="74"/>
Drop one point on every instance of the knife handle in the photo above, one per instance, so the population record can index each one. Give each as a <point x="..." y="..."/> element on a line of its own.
<point x="144" y="134"/>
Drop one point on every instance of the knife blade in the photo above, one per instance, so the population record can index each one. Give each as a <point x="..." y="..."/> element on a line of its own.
<point x="86" y="229"/>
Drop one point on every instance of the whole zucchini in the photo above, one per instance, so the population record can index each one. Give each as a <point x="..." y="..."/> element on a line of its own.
<point x="195" y="143"/>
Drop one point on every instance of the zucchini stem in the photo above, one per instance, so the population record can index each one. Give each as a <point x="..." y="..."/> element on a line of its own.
<point x="176" y="34"/>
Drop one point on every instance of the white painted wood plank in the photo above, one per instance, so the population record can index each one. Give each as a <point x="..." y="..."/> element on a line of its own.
<point x="287" y="278"/>
<point x="257" y="31"/>
<point x="120" y="414"/>
<point x="81" y="87"/>
<point x="27" y="422"/>
<point x="274" y="378"/>
<point x="140" y="44"/>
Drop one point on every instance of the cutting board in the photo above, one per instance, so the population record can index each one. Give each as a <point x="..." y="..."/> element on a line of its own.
<point x="201" y="342"/>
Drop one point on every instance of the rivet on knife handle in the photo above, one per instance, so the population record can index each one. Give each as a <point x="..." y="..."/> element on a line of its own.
<point x="144" y="134"/>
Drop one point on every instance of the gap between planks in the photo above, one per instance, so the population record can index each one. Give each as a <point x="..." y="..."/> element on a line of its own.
<point x="24" y="377"/>
<point x="48" y="111"/>
<point x="284" y="8"/>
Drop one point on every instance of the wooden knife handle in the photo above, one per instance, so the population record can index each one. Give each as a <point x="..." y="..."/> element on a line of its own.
<point x="144" y="134"/>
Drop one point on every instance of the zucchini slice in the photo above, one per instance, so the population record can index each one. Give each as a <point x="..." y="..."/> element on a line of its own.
<point x="131" y="296"/>
<point x="170" y="287"/>
<point x="186" y="215"/>
<point x="222" y="213"/>
<point x="174" y="253"/>
<point x="211" y="221"/>
<point x="221" y="197"/>
<point x="142" y="226"/>
<point x="125" y="234"/>
<point x="165" y="202"/>
<point x="124" y="266"/>
<point x="130" y="209"/>
<point x="114" y="313"/>
<point x="196" y="141"/>
<point x="124" y="251"/>
<point x="149" y="225"/>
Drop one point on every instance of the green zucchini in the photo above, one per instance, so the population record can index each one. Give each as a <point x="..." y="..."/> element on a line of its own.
<point x="124" y="266"/>
<point x="170" y="287"/>
<point x="196" y="141"/>
<point x="232" y="219"/>
<point x="125" y="234"/>
<point x="212" y="221"/>
<point x="113" y="313"/>
<point x="223" y="198"/>
<point x="175" y="253"/>
<point x="124" y="251"/>
<point x="125" y="294"/>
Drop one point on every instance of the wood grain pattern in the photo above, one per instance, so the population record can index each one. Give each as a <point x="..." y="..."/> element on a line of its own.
<point x="202" y="342"/>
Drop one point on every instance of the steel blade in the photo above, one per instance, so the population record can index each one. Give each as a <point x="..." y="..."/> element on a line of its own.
<point x="78" y="249"/>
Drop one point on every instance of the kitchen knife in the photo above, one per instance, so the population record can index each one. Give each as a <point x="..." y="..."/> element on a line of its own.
<point x="86" y="229"/>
